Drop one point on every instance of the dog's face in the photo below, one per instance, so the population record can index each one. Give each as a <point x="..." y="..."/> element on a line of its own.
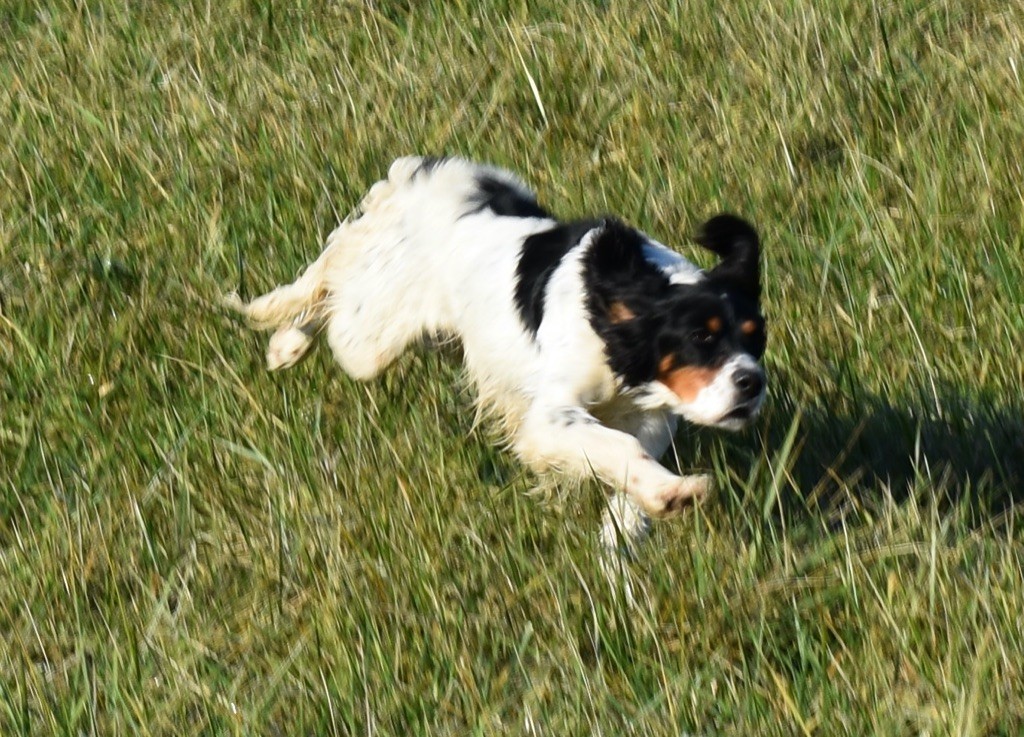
<point x="707" y="357"/>
<point x="692" y="348"/>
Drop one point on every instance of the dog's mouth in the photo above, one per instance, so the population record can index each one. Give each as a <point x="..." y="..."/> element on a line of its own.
<point x="743" y="412"/>
<point x="741" y="415"/>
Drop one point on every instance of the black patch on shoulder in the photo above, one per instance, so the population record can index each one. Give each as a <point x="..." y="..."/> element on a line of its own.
<point x="504" y="200"/>
<point x="541" y="254"/>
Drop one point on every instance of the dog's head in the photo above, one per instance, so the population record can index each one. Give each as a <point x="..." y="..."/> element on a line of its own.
<point x="694" y="347"/>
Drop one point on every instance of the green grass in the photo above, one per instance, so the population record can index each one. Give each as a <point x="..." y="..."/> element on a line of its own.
<point x="190" y="545"/>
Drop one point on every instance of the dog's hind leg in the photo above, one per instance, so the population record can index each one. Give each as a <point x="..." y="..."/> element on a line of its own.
<point x="380" y="301"/>
<point x="288" y="303"/>
<point x="295" y="334"/>
<point x="369" y="288"/>
<point x="295" y="309"/>
<point x="367" y="336"/>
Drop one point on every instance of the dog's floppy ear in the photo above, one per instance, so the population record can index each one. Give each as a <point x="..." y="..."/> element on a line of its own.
<point x="620" y="281"/>
<point x="617" y="251"/>
<point x="735" y="241"/>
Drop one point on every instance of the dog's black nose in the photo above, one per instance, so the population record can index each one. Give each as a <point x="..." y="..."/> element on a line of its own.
<point x="749" y="382"/>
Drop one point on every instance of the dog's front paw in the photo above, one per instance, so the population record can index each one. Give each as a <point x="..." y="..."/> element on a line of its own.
<point x="679" y="493"/>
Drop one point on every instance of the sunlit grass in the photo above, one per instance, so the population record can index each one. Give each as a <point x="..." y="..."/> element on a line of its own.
<point x="190" y="545"/>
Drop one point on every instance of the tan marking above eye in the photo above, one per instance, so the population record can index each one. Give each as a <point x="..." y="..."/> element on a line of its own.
<point x="618" y="312"/>
<point x="714" y="324"/>
<point x="686" y="382"/>
<point x="748" y="327"/>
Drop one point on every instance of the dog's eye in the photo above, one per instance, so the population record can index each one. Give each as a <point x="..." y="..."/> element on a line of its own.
<point x="702" y="337"/>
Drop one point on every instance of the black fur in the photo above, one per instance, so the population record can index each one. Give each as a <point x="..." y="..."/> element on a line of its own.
<point x="738" y="275"/>
<point x="541" y="254"/>
<point x="641" y="317"/>
<point x="504" y="200"/>
<point x="615" y="271"/>
<point x="429" y="163"/>
<point x="735" y="241"/>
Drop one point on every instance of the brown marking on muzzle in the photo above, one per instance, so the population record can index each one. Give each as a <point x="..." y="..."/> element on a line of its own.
<point x="686" y="382"/>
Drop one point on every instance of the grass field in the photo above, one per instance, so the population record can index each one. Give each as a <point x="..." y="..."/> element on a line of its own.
<point x="190" y="545"/>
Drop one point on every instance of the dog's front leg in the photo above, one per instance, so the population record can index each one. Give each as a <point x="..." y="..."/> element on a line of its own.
<point x="571" y="440"/>
<point x="624" y="526"/>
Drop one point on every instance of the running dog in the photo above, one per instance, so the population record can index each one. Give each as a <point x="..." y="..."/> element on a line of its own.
<point x="586" y="340"/>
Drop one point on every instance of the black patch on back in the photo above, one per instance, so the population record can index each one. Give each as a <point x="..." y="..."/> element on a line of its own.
<point x="429" y="163"/>
<point x="541" y="254"/>
<point x="503" y="200"/>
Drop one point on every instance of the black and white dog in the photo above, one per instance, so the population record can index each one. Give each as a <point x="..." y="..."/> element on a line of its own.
<point x="585" y="340"/>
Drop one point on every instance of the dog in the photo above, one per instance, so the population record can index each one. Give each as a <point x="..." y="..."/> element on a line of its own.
<point x="585" y="340"/>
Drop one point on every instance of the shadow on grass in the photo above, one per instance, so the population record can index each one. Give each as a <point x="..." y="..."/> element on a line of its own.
<point x="847" y="448"/>
<point x="850" y="448"/>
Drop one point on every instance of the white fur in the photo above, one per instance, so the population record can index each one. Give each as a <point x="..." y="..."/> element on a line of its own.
<point x="414" y="263"/>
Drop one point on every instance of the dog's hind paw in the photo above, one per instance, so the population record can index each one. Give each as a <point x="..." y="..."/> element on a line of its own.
<point x="287" y="346"/>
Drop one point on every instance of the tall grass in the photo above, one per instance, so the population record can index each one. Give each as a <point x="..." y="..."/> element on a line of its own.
<point x="189" y="545"/>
